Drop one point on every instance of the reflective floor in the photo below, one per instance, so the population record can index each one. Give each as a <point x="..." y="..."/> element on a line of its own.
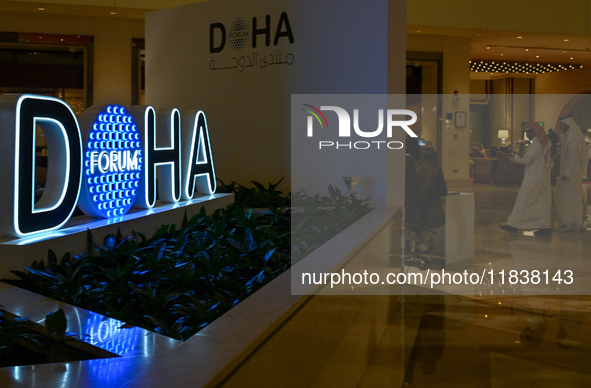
<point x="506" y="336"/>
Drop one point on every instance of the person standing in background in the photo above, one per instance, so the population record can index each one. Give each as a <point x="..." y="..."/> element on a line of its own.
<point x="587" y="188"/>
<point x="533" y="206"/>
<point x="587" y="206"/>
<point x="432" y="184"/>
<point x="555" y="140"/>
<point x="568" y="194"/>
<point x="432" y="187"/>
<point x="413" y="148"/>
<point x="587" y="175"/>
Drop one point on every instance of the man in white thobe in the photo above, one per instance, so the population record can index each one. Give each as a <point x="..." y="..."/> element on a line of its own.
<point x="532" y="208"/>
<point x="587" y="173"/>
<point x="568" y="194"/>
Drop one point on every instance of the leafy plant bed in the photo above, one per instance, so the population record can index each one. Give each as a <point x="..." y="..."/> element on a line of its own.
<point x="182" y="278"/>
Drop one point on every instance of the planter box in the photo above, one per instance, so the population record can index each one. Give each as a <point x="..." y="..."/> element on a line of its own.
<point x="272" y="338"/>
<point x="18" y="253"/>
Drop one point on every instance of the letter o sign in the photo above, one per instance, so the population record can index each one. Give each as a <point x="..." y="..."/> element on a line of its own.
<point x="112" y="161"/>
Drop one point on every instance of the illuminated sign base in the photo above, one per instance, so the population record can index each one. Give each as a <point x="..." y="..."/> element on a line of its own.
<point x="17" y="253"/>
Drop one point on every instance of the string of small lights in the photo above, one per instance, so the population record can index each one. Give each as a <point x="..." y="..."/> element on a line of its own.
<point x="487" y="66"/>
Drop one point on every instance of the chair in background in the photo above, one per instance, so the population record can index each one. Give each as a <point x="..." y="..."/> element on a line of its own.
<point x="476" y="153"/>
<point x="483" y="170"/>
<point x="507" y="172"/>
<point x="40" y="180"/>
<point x="477" y="150"/>
<point x="477" y="145"/>
<point x="477" y="156"/>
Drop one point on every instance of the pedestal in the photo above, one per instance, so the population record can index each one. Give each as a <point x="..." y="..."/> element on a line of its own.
<point x="455" y="239"/>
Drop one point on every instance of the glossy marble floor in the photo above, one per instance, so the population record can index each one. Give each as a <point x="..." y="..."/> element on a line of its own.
<point x="506" y="336"/>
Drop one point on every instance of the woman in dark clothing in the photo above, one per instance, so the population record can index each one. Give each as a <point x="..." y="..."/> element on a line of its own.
<point x="555" y="140"/>
<point x="431" y="186"/>
<point x="430" y="176"/>
<point x="412" y="147"/>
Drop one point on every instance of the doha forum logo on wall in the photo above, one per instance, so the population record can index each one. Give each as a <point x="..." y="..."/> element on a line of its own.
<point x="251" y="43"/>
<point x="357" y="122"/>
<point x="238" y="36"/>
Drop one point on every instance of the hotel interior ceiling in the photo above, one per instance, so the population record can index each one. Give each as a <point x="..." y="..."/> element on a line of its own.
<point x="513" y="51"/>
<point x="524" y="52"/>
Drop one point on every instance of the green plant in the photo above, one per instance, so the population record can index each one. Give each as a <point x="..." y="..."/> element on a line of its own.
<point x="11" y="331"/>
<point x="174" y="282"/>
<point x="19" y="335"/>
<point x="322" y="218"/>
<point x="182" y="278"/>
<point x="257" y="196"/>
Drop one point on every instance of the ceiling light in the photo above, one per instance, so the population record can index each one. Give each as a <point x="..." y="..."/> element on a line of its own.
<point x="518" y="67"/>
<point x="519" y="37"/>
<point x="566" y="40"/>
<point x="113" y="13"/>
<point x="41" y="9"/>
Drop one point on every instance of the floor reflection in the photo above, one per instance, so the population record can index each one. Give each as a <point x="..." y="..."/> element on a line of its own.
<point x="429" y="345"/>
<point x="508" y="335"/>
<point x="540" y="341"/>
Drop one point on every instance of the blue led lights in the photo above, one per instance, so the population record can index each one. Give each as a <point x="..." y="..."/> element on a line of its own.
<point x="105" y="165"/>
<point x="113" y="162"/>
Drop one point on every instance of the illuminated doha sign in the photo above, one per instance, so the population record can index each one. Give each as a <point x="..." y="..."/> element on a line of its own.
<point x="105" y="163"/>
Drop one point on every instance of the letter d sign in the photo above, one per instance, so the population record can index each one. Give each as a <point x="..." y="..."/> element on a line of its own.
<point x="20" y="116"/>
